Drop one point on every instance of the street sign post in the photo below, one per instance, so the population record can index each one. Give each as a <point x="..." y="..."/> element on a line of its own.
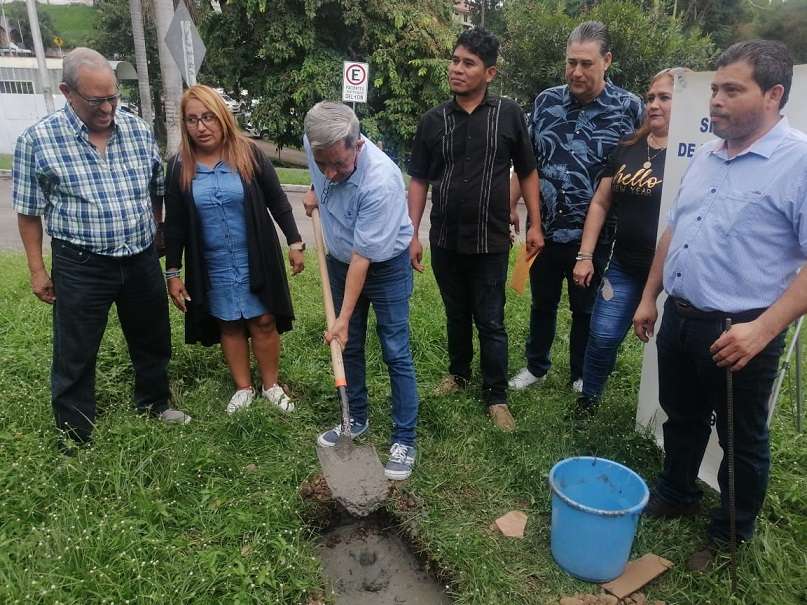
<point x="185" y="44"/>
<point x="354" y="81"/>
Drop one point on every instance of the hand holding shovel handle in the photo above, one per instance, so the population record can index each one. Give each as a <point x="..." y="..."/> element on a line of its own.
<point x="330" y="318"/>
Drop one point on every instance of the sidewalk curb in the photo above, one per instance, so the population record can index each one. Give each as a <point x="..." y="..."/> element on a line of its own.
<point x="5" y="174"/>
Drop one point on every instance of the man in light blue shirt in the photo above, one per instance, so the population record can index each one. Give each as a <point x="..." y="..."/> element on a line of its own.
<point x="365" y="221"/>
<point x="737" y="236"/>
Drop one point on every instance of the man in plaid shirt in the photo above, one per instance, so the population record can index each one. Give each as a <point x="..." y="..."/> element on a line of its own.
<point x="97" y="177"/>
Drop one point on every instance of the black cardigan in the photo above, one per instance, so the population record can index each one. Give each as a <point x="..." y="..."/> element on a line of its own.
<point x="267" y="270"/>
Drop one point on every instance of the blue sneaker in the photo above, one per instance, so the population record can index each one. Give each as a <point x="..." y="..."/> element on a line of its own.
<point x="401" y="461"/>
<point x="328" y="438"/>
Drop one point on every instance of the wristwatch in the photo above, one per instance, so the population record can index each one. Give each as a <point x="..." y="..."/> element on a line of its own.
<point x="297" y="246"/>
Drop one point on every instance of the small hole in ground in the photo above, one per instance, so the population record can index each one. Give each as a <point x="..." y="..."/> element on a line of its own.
<point x="367" y="562"/>
<point x="370" y="560"/>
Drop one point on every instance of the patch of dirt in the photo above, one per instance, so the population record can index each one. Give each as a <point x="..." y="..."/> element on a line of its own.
<point x="316" y="489"/>
<point x="368" y="564"/>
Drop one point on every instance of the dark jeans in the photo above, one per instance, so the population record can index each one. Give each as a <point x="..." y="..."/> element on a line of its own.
<point x="552" y="266"/>
<point x="86" y="285"/>
<point x="387" y="287"/>
<point x="691" y="387"/>
<point x="472" y="287"/>
<point x="610" y="321"/>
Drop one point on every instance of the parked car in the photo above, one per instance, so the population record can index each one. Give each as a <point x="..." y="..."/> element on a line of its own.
<point x="233" y="105"/>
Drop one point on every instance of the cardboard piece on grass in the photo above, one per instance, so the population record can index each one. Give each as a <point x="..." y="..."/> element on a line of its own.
<point x="512" y="524"/>
<point x="521" y="271"/>
<point x="637" y="573"/>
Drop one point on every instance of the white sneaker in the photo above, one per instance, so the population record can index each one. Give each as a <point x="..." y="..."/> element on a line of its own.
<point x="241" y="400"/>
<point x="524" y="379"/>
<point x="577" y="386"/>
<point x="278" y="398"/>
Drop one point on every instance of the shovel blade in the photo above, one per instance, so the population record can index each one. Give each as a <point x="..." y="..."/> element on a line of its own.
<point x="355" y="476"/>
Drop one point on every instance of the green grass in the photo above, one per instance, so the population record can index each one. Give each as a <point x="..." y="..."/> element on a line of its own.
<point x="74" y="23"/>
<point x="299" y="176"/>
<point x="293" y="176"/>
<point x="154" y="514"/>
<point x="5" y="161"/>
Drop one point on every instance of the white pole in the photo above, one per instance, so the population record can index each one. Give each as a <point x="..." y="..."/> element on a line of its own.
<point x="39" y="50"/>
<point x="146" y="109"/>
<point x="777" y="385"/>
<point x="172" y="81"/>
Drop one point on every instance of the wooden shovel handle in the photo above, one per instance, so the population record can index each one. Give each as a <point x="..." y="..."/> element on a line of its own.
<point x="327" y="297"/>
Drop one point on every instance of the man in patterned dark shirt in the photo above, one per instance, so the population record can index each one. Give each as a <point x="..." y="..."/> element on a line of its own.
<point x="464" y="149"/>
<point x="575" y="128"/>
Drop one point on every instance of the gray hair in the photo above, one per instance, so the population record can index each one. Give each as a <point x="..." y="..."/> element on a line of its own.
<point x="82" y="57"/>
<point x="591" y="31"/>
<point x="327" y="123"/>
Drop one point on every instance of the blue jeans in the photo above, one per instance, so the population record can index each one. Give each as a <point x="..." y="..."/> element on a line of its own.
<point x="387" y="287"/>
<point x="610" y="321"/>
<point x="86" y="286"/>
<point x="472" y="288"/>
<point x="691" y="387"/>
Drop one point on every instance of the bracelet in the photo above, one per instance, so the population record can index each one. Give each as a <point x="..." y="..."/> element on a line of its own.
<point x="172" y="274"/>
<point x="584" y="257"/>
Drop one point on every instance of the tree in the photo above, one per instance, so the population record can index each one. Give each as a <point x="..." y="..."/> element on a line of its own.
<point x="139" y="39"/>
<point x="642" y="43"/>
<point x="719" y="18"/>
<point x="20" y="30"/>
<point x="786" y="22"/>
<point x="171" y="80"/>
<point x="489" y="11"/>
<point x="289" y="53"/>
<point x="113" y="37"/>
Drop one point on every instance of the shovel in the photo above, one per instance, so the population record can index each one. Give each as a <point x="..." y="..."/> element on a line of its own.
<point x="354" y="474"/>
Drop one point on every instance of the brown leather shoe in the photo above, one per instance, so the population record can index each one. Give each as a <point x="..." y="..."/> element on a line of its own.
<point x="501" y="416"/>
<point x="702" y="559"/>
<point x="449" y="385"/>
<point x="661" y="509"/>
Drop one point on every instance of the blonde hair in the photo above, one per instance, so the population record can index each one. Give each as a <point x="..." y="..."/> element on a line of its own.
<point x="237" y="150"/>
<point x="644" y="129"/>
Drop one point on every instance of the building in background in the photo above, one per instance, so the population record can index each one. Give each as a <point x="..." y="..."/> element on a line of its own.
<point x="461" y="15"/>
<point x="21" y="100"/>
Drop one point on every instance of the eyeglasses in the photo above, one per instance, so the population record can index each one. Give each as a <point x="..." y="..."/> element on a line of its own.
<point x="98" y="101"/>
<point x="206" y="118"/>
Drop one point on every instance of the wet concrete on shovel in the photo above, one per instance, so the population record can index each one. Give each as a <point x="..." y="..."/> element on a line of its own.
<point x="367" y="563"/>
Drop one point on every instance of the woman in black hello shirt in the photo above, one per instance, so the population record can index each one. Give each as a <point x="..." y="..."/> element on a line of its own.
<point x="631" y="188"/>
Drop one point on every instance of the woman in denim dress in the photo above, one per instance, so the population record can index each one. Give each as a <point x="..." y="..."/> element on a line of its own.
<point x="235" y="289"/>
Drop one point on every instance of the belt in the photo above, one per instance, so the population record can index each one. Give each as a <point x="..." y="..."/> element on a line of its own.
<point x="78" y="248"/>
<point x="686" y="310"/>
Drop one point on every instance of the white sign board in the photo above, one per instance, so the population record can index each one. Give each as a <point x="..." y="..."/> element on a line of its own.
<point x="689" y="128"/>
<point x="354" y="81"/>
<point x="185" y="44"/>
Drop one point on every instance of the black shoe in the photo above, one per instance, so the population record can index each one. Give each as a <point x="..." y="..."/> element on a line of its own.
<point x="661" y="509"/>
<point x="586" y="405"/>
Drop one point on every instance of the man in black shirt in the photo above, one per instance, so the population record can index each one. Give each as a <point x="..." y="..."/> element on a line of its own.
<point x="464" y="149"/>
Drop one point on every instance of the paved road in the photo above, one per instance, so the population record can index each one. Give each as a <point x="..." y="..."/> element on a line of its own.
<point x="10" y="238"/>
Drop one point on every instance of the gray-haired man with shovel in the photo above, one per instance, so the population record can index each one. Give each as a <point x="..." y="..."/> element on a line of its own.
<point x="362" y="203"/>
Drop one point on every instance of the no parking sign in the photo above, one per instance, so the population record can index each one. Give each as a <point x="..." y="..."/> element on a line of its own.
<point x="354" y="81"/>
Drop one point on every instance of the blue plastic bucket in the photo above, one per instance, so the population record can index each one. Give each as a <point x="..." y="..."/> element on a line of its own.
<point x="596" y="505"/>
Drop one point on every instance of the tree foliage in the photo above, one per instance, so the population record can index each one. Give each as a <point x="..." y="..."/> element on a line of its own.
<point x="494" y="14"/>
<point x="289" y="54"/>
<point x="20" y="29"/>
<point x="113" y="38"/>
<point x="642" y="41"/>
<point x="786" y="22"/>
